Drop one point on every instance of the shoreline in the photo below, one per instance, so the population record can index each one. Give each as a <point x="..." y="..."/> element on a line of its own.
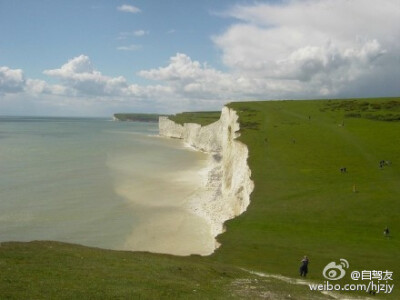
<point x="226" y="189"/>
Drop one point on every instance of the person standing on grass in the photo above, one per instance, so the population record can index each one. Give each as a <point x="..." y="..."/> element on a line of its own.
<point x="304" y="266"/>
<point x="386" y="232"/>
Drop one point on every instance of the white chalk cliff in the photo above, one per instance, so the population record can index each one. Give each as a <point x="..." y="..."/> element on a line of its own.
<point x="226" y="192"/>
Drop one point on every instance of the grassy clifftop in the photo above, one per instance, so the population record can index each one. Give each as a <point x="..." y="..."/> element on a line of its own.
<point x="302" y="204"/>
<point x="200" y="117"/>
<point x="52" y="270"/>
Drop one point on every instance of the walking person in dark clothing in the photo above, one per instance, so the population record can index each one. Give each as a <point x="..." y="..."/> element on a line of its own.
<point x="304" y="266"/>
<point x="386" y="232"/>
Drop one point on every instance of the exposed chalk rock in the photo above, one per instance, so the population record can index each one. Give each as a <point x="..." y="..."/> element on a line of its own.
<point x="226" y="192"/>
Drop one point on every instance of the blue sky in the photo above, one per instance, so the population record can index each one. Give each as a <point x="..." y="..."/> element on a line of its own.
<point x="54" y="31"/>
<point x="99" y="57"/>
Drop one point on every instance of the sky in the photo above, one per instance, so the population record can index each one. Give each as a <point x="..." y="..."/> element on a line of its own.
<point x="99" y="57"/>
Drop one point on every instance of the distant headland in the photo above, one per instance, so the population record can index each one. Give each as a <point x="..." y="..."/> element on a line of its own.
<point x="135" y="117"/>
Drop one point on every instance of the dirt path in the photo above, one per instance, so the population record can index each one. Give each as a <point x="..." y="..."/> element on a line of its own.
<point x="319" y="295"/>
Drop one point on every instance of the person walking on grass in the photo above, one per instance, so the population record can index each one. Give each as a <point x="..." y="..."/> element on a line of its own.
<point x="304" y="266"/>
<point x="386" y="232"/>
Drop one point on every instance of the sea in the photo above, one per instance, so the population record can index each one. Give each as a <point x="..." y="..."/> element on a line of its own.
<point x="100" y="183"/>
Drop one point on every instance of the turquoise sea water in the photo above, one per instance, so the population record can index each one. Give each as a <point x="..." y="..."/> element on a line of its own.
<point x="100" y="183"/>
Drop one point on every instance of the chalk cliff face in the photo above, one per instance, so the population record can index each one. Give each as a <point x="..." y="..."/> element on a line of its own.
<point x="226" y="194"/>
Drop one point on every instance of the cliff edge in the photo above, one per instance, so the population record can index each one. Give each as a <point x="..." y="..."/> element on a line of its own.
<point x="226" y="192"/>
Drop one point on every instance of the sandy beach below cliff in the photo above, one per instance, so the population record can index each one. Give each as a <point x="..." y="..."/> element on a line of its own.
<point x="165" y="224"/>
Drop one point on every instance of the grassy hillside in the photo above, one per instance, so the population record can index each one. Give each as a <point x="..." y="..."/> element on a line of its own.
<point x="302" y="204"/>
<point x="52" y="270"/>
<point x="199" y="117"/>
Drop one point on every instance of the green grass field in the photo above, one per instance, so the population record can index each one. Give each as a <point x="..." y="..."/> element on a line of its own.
<point x="53" y="270"/>
<point x="301" y="205"/>
<point x="199" y="117"/>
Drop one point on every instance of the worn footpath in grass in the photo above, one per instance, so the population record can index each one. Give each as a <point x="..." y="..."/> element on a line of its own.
<point x="302" y="204"/>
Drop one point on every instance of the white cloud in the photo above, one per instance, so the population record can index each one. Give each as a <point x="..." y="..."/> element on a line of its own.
<point x="20" y="94"/>
<point x="79" y="66"/>
<point x="140" y="32"/>
<point x="79" y="77"/>
<point x="37" y="87"/>
<point x="129" y="48"/>
<point x="79" y="74"/>
<point x="129" y="9"/>
<point x="181" y="67"/>
<point x="11" y="80"/>
<point x="320" y="47"/>
<point x="190" y="78"/>
<point x="137" y="33"/>
<point x="296" y="49"/>
<point x="292" y="49"/>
